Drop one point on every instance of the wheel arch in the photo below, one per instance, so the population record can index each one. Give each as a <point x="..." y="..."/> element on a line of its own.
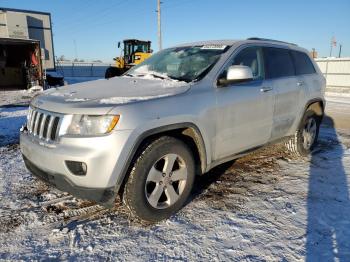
<point x="317" y="105"/>
<point x="187" y="132"/>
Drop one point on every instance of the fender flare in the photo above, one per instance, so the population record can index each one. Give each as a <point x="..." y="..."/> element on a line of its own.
<point x="316" y="100"/>
<point x="158" y="130"/>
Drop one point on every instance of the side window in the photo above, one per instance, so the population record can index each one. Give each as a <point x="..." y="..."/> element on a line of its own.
<point x="252" y="57"/>
<point x="278" y="62"/>
<point x="303" y="64"/>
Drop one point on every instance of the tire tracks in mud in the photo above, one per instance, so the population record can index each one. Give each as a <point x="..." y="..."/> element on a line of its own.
<point x="53" y="213"/>
<point x="231" y="179"/>
<point x="252" y="174"/>
<point x="38" y="208"/>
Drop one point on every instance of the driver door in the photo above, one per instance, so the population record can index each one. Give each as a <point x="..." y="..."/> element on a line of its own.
<point x="245" y="110"/>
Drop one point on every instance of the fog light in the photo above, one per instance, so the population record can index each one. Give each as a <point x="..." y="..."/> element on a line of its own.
<point x="77" y="168"/>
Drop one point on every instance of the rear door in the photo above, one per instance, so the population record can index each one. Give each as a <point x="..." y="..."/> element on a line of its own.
<point x="280" y="71"/>
<point x="308" y="79"/>
<point x="245" y="110"/>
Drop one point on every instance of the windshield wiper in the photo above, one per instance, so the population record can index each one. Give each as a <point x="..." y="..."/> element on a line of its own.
<point x="159" y="76"/>
<point x="154" y="74"/>
<point x="127" y="74"/>
<point x="187" y="80"/>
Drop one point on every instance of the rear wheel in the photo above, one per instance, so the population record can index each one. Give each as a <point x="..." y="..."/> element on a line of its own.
<point x="112" y="72"/>
<point x="305" y="138"/>
<point x="160" y="180"/>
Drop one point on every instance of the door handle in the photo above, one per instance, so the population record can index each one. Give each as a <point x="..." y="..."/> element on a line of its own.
<point x="266" y="89"/>
<point x="300" y="83"/>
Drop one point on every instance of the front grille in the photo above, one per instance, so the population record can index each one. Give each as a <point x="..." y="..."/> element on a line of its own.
<point x="43" y="124"/>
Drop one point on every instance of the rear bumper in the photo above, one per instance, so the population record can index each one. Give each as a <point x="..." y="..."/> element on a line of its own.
<point x="105" y="196"/>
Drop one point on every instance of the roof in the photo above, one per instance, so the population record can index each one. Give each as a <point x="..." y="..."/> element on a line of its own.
<point x="242" y="41"/>
<point x="17" y="40"/>
<point x="210" y="42"/>
<point x="24" y="11"/>
<point x="136" y="40"/>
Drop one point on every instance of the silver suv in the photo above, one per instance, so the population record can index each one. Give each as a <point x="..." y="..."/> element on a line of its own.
<point x="146" y="134"/>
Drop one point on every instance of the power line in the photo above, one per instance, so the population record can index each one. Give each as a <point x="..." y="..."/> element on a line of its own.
<point x="93" y="16"/>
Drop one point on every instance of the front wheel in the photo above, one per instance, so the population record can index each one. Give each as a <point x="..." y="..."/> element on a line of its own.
<point x="160" y="181"/>
<point x="305" y="138"/>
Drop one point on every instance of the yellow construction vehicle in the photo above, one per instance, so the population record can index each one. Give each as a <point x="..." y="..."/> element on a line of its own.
<point x="134" y="52"/>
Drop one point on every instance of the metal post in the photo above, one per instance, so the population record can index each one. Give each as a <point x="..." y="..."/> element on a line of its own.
<point x="340" y="46"/>
<point x="333" y="43"/>
<point x="330" y="53"/>
<point x="159" y="26"/>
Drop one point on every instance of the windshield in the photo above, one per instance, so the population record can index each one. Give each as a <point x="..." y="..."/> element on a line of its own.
<point x="181" y="63"/>
<point x="131" y="48"/>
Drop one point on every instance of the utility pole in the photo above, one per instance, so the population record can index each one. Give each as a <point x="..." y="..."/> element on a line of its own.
<point x="313" y="53"/>
<point x="333" y="43"/>
<point x="340" y="46"/>
<point x="159" y="25"/>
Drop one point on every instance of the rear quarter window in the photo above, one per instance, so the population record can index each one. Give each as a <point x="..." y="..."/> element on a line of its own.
<point x="278" y="62"/>
<point x="303" y="64"/>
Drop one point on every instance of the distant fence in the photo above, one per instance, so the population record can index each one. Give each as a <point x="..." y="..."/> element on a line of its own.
<point x="336" y="71"/>
<point x="82" y="69"/>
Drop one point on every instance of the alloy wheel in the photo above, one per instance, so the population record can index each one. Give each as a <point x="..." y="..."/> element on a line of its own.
<point x="166" y="181"/>
<point x="309" y="133"/>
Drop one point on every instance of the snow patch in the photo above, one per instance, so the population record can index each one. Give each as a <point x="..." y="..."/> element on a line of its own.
<point x="11" y="120"/>
<point x="36" y="89"/>
<point x="76" y="99"/>
<point x="58" y="94"/>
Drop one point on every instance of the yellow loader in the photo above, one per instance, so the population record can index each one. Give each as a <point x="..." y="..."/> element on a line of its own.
<point x="134" y="52"/>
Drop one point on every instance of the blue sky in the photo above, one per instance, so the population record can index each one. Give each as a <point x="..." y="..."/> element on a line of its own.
<point x="97" y="25"/>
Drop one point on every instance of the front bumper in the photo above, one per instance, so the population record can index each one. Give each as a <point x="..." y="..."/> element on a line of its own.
<point x="103" y="196"/>
<point x="103" y="156"/>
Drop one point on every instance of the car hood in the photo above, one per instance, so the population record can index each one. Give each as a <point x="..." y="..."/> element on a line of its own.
<point x="100" y="96"/>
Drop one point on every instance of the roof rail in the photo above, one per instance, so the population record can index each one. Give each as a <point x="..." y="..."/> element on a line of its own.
<point x="271" y="40"/>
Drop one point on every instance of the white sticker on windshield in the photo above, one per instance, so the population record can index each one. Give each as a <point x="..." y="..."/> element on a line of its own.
<point x="217" y="47"/>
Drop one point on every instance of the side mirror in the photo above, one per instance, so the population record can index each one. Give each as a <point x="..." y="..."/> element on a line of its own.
<point x="118" y="44"/>
<point x="236" y="74"/>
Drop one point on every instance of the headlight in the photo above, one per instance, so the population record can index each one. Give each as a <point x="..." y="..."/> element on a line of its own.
<point x="92" y="125"/>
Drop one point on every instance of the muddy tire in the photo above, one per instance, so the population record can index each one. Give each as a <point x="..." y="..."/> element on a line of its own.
<point x="160" y="180"/>
<point x="112" y="72"/>
<point x="305" y="138"/>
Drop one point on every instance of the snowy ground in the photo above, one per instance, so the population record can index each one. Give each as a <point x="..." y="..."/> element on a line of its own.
<point x="267" y="206"/>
